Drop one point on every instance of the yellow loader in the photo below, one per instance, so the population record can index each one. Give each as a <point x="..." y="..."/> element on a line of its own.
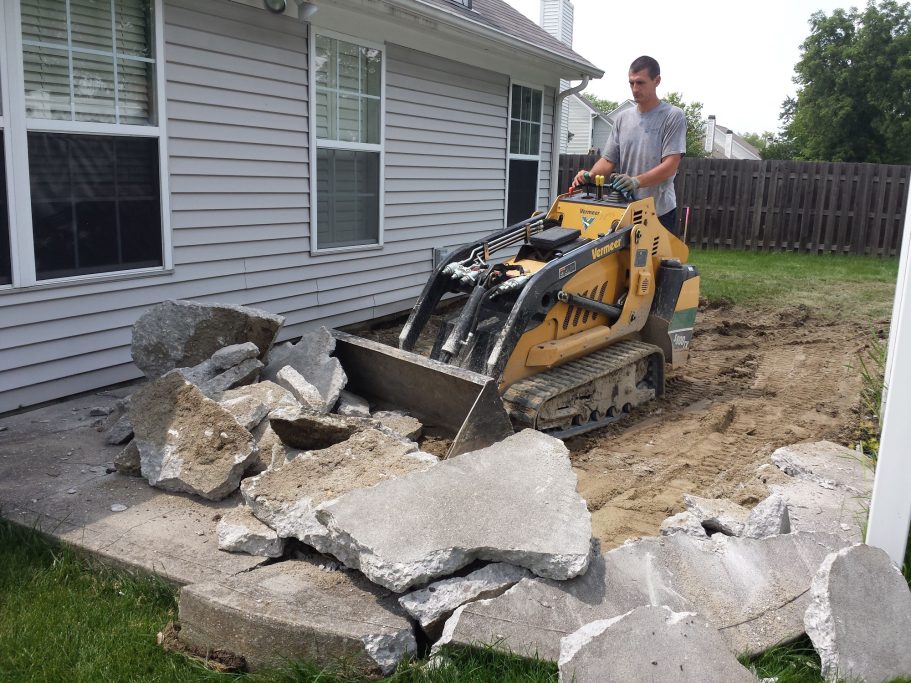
<point x="563" y="322"/>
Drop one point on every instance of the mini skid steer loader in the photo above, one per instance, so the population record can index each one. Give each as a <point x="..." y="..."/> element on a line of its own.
<point x="563" y="322"/>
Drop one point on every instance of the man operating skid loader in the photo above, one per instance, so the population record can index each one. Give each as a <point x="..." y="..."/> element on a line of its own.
<point x="645" y="145"/>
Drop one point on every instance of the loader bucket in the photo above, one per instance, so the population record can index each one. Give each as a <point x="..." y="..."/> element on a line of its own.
<point x="462" y="404"/>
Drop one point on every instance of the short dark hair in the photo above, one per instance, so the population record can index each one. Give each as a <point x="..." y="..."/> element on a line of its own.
<point x="645" y="62"/>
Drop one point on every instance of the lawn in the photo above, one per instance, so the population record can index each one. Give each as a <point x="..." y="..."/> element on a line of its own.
<point x="66" y="618"/>
<point x="843" y="287"/>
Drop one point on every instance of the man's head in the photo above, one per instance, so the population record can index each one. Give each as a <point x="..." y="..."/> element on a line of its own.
<point x="644" y="77"/>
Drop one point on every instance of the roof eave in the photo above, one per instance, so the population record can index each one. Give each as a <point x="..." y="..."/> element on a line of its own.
<point x="567" y="68"/>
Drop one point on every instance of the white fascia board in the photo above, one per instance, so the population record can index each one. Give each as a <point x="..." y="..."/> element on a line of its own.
<point x="423" y="27"/>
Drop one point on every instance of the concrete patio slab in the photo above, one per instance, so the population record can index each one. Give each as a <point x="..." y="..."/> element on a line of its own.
<point x="298" y="610"/>
<point x="54" y="476"/>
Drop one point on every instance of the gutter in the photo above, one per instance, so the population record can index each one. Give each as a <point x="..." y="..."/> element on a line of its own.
<point x="555" y="145"/>
<point x="457" y="20"/>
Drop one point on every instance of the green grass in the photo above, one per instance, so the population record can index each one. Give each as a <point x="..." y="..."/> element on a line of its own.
<point x="838" y="287"/>
<point x="64" y="617"/>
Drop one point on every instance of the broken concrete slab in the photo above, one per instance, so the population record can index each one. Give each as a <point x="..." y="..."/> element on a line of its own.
<point x="683" y="523"/>
<point x="717" y="514"/>
<point x="179" y="334"/>
<point x="120" y="432"/>
<point x="294" y="610"/>
<point x="431" y="606"/>
<point x="400" y="423"/>
<point x="239" y="531"/>
<point x="235" y="354"/>
<point x="754" y="591"/>
<point x="312" y="358"/>
<point x="826" y="487"/>
<point x="127" y="462"/>
<point x="188" y="442"/>
<point x="827" y="464"/>
<point x="514" y="501"/>
<point x="246" y="372"/>
<point x="352" y="405"/>
<point x="768" y="518"/>
<point x="305" y="393"/>
<point x="650" y="644"/>
<point x="250" y="404"/>
<point x="271" y="452"/>
<point x="286" y="498"/>
<point x="312" y="431"/>
<point x="859" y="616"/>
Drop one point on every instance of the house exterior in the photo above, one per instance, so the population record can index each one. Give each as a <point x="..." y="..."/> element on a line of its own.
<point x="588" y="128"/>
<point x="723" y="143"/>
<point x="304" y="163"/>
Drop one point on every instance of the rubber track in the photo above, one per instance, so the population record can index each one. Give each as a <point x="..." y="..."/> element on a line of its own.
<point x="531" y="393"/>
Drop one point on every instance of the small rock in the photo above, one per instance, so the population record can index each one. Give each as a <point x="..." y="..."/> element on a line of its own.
<point x="240" y="532"/>
<point x="102" y="411"/>
<point x="717" y="514"/>
<point x="118" y="507"/>
<point x="768" y="518"/>
<point x="400" y="423"/>
<point x="307" y="394"/>
<point x="246" y="372"/>
<point x="352" y="405"/>
<point x="120" y="432"/>
<point x="229" y="356"/>
<point x="127" y="462"/>
<point x="683" y="522"/>
<point x="71" y="491"/>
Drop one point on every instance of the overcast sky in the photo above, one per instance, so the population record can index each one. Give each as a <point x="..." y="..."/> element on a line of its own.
<point x="737" y="58"/>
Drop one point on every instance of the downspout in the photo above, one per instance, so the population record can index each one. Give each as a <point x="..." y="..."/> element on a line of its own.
<point x="555" y="143"/>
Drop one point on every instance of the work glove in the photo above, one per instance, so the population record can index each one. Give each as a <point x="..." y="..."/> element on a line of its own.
<point x="582" y="177"/>
<point x="624" y="184"/>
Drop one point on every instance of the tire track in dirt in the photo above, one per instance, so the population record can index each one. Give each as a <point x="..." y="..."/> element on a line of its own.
<point x="755" y="381"/>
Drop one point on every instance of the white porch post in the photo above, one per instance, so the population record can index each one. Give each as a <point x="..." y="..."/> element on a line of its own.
<point x="890" y="509"/>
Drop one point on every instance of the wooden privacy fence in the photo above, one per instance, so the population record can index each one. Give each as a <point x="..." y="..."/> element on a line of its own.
<point x="822" y="207"/>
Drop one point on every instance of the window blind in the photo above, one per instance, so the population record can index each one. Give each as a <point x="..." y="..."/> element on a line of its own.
<point x="89" y="60"/>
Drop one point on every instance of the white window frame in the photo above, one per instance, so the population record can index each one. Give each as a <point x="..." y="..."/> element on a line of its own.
<point x="16" y="131"/>
<point x="523" y="157"/>
<point x="316" y="143"/>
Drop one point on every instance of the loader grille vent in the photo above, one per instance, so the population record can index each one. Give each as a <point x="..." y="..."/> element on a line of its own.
<point x="637" y="216"/>
<point x="575" y="315"/>
<point x="644" y="283"/>
<point x="655" y="246"/>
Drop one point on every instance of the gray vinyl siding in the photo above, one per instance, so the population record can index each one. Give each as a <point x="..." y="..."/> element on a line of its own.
<point x="239" y="180"/>
<point x="446" y="132"/>
<point x="236" y="110"/>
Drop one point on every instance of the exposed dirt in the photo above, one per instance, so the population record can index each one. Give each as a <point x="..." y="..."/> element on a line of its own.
<point x="755" y="380"/>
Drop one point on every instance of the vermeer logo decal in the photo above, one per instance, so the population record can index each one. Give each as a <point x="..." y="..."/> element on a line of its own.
<point x="587" y="222"/>
<point x="610" y="248"/>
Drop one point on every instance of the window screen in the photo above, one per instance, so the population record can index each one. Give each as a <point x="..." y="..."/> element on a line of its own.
<point x="95" y="203"/>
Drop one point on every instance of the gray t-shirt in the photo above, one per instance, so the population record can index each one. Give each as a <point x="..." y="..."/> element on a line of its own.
<point x="638" y="142"/>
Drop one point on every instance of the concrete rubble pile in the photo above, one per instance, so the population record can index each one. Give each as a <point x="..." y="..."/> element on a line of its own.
<point x="378" y="546"/>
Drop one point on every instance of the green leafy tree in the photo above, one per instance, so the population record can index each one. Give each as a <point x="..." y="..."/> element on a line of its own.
<point x="854" y="87"/>
<point x="599" y="103"/>
<point x="759" y="140"/>
<point x="695" y="125"/>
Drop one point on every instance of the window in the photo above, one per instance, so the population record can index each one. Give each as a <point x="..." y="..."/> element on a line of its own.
<point x="91" y="150"/>
<point x="348" y="115"/>
<point x="524" y="152"/>
<point x="463" y="3"/>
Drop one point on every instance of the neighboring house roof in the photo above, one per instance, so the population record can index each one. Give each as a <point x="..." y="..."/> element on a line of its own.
<point x="499" y="17"/>
<point x="726" y="144"/>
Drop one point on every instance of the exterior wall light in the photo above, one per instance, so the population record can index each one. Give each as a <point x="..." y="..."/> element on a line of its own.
<point x="277" y="6"/>
<point x="306" y="9"/>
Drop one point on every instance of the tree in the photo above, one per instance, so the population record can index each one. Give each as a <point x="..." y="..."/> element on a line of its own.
<point x="599" y="103"/>
<point x="854" y="87"/>
<point x="695" y="125"/>
<point x="759" y="140"/>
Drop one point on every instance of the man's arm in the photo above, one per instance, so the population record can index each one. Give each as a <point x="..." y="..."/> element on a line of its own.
<point x="657" y="175"/>
<point x="601" y="167"/>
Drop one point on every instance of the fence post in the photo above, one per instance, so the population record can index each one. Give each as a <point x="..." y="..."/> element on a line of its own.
<point x="890" y="507"/>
